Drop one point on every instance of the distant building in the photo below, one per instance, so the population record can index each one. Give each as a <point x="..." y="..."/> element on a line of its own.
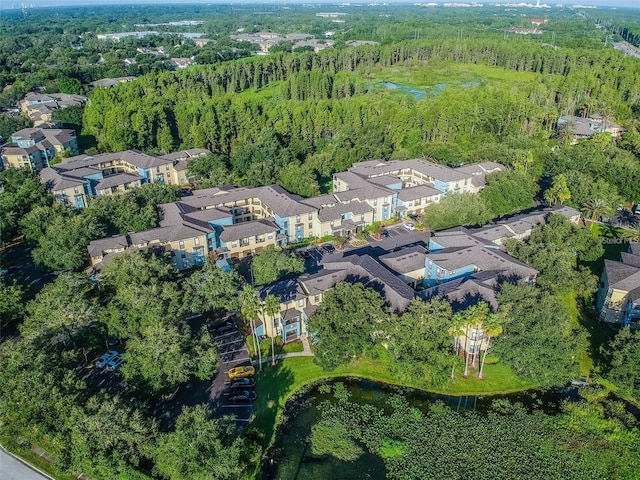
<point x="537" y="21"/>
<point x="181" y="63"/>
<point x="76" y="179"/>
<point x="110" y="82"/>
<point x="34" y="148"/>
<point x="581" y="128"/>
<point x="40" y="106"/>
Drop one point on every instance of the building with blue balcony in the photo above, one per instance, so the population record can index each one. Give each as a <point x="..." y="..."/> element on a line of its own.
<point x="618" y="298"/>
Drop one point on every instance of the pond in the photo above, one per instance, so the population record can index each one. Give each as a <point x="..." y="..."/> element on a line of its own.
<point x="290" y="458"/>
<point x="420" y="94"/>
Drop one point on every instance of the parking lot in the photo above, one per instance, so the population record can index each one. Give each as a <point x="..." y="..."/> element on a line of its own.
<point x="232" y="352"/>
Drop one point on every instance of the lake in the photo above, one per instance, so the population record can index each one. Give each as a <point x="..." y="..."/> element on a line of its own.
<point x="290" y="458"/>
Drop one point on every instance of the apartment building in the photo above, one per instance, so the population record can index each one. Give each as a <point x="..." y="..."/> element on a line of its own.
<point x="39" y="107"/>
<point x="34" y="148"/>
<point x="618" y="298"/>
<point x="113" y="173"/>
<point x="242" y="221"/>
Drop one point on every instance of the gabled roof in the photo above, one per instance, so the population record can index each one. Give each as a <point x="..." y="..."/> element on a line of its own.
<point x="622" y="277"/>
<point x="327" y="214"/>
<point x="405" y="261"/>
<point x="420" y="191"/>
<point x="117" y="180"/>
<point x="247" y="229"/>
<point x="284" y="290"/>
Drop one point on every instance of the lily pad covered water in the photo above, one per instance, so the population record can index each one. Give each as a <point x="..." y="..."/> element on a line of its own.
<point x="365" y="430"/>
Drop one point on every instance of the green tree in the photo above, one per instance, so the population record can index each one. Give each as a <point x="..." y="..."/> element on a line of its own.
<point x="624" y="351"/>
<point x="595" y="209"/>
<point x="540" y="340"/>
<point x="250" y="308"/>
<point x="11" y="124"/>
<point x="492" y="327"/>
<point x="162" y="356"/>
<point x="11" y="302"/>
<point x="202" y="447"/>
<point x="456" y="210"/>
<point x="272" y="309"/>
<point x="559" y="191"/>
<point x="64" y="245"/>
<point x="211" y="170"/>
<point x="70" y="85"/>
<point x="109" y="438"/>
<point x="273" y="264"/>
<point x="344" y="324"/>
<point x="22" y="193"/>
<point x="211" y="288"/>
<point x="508" y="191"/>
<point x="419" y="342"/>
<point x="62" y="311"/>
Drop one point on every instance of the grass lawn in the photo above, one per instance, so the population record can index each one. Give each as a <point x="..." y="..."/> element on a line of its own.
<point x="275" y="385"/>
<point x="590" y="357"/>
<point x="265" y="346"/>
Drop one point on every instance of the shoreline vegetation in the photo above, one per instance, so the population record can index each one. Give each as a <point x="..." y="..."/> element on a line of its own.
<point x="296" y="375"/>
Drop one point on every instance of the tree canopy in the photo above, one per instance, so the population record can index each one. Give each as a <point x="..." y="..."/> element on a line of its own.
<point x="344" y="324"/>
<point x="272" y="264"/>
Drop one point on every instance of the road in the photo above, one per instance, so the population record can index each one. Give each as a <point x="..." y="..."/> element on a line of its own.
<point x="12" y="469"/>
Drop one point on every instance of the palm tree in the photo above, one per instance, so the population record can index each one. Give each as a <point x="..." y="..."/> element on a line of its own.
<point x="626" y="218"/>
<point x="595" y="209"/>
<point x="456" y="330"/>
<point x="470" y="318"/>
<point x="272" y="308"/>
<point x="250" y="310"/>
<point x="492" y="328"/>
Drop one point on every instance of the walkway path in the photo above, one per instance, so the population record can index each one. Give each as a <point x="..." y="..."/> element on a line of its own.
<point x="306" y="352"/>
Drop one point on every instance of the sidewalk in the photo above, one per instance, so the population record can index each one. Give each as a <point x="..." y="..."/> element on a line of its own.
<point x="306" y="352"/>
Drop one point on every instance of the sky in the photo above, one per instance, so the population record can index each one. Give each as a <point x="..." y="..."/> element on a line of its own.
<point x="13" y="3"/>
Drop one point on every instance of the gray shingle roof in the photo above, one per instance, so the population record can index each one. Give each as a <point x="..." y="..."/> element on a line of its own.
<point x="622" y="277"/>
<point x="420" y="191"/>
<point x="327" y="214"/>
<point x="117" y="180"/>
<point x="405" y="261"/>
<point x="247" y="229"/>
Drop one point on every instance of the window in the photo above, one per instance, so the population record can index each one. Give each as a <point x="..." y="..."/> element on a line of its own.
<point x="297" y="218"/>
<point x="316" y="298"/>
<point x="196" y="241"/>
<point x="362" y="217"/>
<point x="301" y="302"/>
<point x="285" y="224"/>
<point x="75" y="189"/>
<point x="310" y="225"/>
<point x="310" y="216"/>
<point x="375" y="202"/>
<point x="181" y="244"/>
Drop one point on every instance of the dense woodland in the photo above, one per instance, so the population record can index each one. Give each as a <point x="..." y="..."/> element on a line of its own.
<point x="294" y="119"/>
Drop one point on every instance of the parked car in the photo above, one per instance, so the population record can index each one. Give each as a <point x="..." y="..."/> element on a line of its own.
<point x="327" y="247"/>
<point x="409" y="226"/>
<point x="226" y="327"/>
<point x="241" y="372"/>
<point x="102" y="361"/>
<point x="413" y="216"/>
<point x="243" y="383"/>
<point x="115" y="362"/>
<point x="242" y="396"/>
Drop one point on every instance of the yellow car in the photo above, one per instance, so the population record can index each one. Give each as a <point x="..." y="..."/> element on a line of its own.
<point x="240" y="372"/>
